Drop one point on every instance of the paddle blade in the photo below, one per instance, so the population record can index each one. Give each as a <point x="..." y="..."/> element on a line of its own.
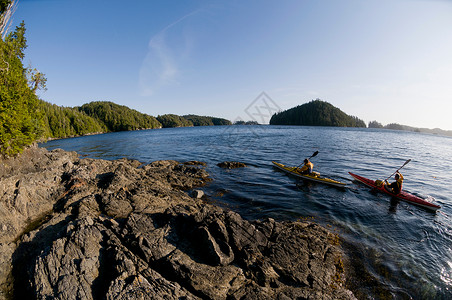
<point x="406" y="162"/>
<point x="315" y="154"/>
<point x="399" y="169"/>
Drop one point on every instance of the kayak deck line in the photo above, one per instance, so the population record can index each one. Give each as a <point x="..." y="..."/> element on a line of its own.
<point x="292" y="171"/>
<point x="403" y="195"/>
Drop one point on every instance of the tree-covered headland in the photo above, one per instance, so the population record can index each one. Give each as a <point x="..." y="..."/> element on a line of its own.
<point x="206" y="121"/>
<point x="172" y="120"/>
<point x="119" y="117"/>
<point x="106" y="116"/>
<point x="62" y="122"/>
<point x="316" y="113"/>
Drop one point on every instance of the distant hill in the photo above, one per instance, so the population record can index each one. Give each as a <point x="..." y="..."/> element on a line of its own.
<point x="171" y="120"/>
<point x="206" y="121"/>
<point x="119" y="117"/>
<point x="241" y="122"/>
<point x="61" y="122"/>
<point x="316" y="113"/>
<point x="106" y="116"/>
<point x="395" y="126"/>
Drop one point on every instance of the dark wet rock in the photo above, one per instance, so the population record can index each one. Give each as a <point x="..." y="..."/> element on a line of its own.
<point x="231" y="165"/>
<point x="195" y="163"/>
<point x="220" y="192"/>
<point x="74" y="228"/>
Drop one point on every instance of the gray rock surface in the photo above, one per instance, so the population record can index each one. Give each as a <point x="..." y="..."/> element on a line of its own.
<point x="73" y="228"/>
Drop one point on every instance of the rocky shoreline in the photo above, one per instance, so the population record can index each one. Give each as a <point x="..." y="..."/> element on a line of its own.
<point x="79" y="228"/>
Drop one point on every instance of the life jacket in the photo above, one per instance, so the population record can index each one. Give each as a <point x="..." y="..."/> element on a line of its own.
<point x="307" y="167"/>
<point x="396" y="186"/>
<point x="399" y="183"/>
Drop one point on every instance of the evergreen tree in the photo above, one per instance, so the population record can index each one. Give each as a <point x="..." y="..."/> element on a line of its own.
<point x="118" y="117"/>
<point x="62" y="122"/>
<point x="396" y="126"/>
<point x="206" y="121"/>
<point x="375" y="124"/>
<point x="171" y="120"/>
<point x="20" y="118"/>
<point x="221" y="121"/>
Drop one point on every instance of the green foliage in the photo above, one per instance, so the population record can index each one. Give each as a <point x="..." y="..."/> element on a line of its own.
<point x="199" y="120"/>
<point x="62" y="122"/>
<point x="17" y="42"/>
<point x="3" y="5"/>
<point x="375" y="124"/>
<point x="316" y="113"/>
<point x="206" y="121"/>
<point x="20" y="117"/>
<point x="241" y="122"/>
<point x="170" y="120"/>
<point x="395" y="126"/>
<point x="118" y="117"/>
<point x="36" y="80"/>
<point x="220" y="121"/>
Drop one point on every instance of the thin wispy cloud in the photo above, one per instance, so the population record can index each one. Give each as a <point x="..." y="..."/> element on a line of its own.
<point x="161" y="66"/>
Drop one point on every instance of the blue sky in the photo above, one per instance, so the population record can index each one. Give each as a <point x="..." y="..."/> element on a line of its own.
<point x="384" y="60"/>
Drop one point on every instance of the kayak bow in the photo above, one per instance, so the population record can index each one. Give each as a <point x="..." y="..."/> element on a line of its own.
<point x="316" y="178"/>
<point x="405" y="196"/>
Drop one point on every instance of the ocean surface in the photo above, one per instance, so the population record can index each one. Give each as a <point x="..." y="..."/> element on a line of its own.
<point x="397" y="250"/>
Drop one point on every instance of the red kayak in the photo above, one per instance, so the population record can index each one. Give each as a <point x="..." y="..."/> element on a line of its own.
<point x="402" y="195"/>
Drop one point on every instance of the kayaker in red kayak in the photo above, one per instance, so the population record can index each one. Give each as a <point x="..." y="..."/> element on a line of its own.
<point x="307" y="167"/>
<point x="396" y="186"/>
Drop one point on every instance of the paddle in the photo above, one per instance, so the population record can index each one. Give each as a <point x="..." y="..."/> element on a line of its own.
<point x="396" y="171"/>
<point x="314" y="154"/>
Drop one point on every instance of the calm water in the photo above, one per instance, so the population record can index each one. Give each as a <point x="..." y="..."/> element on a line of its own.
<point x="399" y="250"/>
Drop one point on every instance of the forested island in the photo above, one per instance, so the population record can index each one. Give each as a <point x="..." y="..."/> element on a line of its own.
<point x="316" y="113"/>
<point x="206" y="121"/>
<point x="241" y="122"/>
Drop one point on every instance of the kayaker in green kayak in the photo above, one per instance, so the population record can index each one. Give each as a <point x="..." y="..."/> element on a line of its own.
<point x="307" y="167"/>
<point x="396" y="186"/>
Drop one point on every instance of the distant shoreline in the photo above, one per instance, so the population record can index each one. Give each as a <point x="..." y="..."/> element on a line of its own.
<point x="436" y="131"/>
